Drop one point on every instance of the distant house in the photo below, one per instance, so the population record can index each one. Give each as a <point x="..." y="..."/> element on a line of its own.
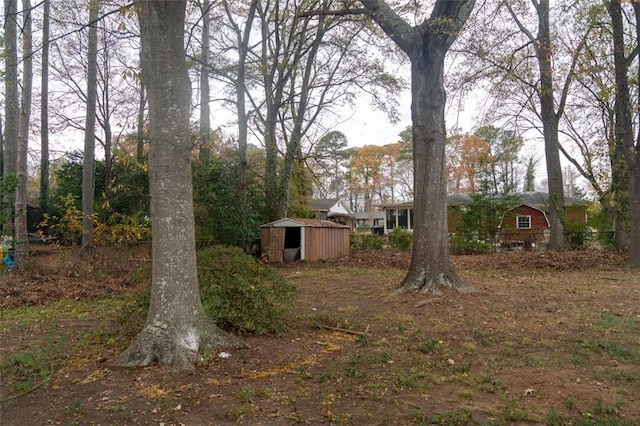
<point x="401" y="215"/>
<point x="527" y="219"/>
<point x="369" y="221"/>
<point x="333" y="209"/>
<point x="528" y="222"/>
<point x="286" y="240"/>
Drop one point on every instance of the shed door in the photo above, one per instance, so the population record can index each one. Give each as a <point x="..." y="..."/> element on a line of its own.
<point x="276" y="245"/>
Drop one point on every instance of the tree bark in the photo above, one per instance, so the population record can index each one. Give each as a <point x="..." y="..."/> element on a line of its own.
<point x="12" y="105"/>
<point x="242" y="39"/>
<point x="176" y="327"/>
<point x="624" y="125"/>
<point x="550" y="120"/>
<point x="426" y="46"/>
<point x="88" y="163"/>
<point x="22" y="239"/>
<point x="140" y="138"/>
<point x="205" y="111"/>
<point x="44" y="108"/>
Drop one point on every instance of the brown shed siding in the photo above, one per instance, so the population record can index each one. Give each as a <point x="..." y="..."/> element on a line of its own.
<point x="273" y="243"/>
<point x="321" y="239"/>
<point x="325" y="243"/>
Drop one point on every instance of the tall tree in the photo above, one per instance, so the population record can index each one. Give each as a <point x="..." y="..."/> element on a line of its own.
<point x="205" y="110"/>
<point x="22" y="240"/>
<point x="44" y="107"/>
<point x="242" y="36"/>
<point x="88" y="165"/>
<point x="11" y="103"/>
<point x="328" y="162"/>
<point x="465" y="154"/>
<point x="176" y="327"/>
<point x="550" y="117"/>
<point x="499" y="170"/>
<point x="624" y="125"/>
<point x="426" y="45"/>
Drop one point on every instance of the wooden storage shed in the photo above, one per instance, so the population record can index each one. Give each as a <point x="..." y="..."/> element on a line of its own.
<point x="304" y="239"/>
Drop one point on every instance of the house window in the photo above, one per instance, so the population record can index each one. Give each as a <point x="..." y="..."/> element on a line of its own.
<point x="403" y="218"/>
<point x="523" y="222"/>
<point x="391" y="219"/>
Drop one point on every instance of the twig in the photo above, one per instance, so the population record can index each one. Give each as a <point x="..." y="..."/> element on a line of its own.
<point x="344" y="330"/>
<point x="28" y="391"/>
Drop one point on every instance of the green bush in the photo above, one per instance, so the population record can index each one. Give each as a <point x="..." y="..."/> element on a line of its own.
<point x="401" y="239"/>
<point x="366" y="241"/>
<point x="241" y="294"/>
<point x="238" y="293"/>
<point x="458" y="245"/>
<point x="577" y="236"/>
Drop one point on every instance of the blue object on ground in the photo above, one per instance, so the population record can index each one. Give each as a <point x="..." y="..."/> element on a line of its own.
<point x="8" y="262"/>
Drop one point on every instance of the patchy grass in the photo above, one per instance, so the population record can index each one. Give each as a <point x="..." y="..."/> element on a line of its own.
<point x="542" y="342"/>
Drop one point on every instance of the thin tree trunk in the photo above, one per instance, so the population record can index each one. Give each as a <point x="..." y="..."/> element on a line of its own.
<point x="242" y="39"/>
<point x="140" y="141"/>
<point x="44" y="109"/>
<point x="205" y="111"/>
<point x="88" y="165"/>
<point x="22" y="239"/>
<point x="106" y="107"/>
<point x="12" y="107"/>
<point x="176" y="327"/>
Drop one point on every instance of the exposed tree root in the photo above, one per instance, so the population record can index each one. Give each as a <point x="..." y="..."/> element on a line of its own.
<point x="424" y="281"/>
<point x="170" y="347"/>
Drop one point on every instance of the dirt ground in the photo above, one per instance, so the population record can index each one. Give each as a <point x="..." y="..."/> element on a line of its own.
<point x="546" y="339"/>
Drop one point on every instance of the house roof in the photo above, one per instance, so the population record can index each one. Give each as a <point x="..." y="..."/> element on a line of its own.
<point x="538" y="198"/>
<point x="334" y="206"/>
<point x="376" y="214"/>
<point x="535" y="199"/>
<point x="296" y="223"/>
<point x="452" y="200"/>
<point x="322" y="204"/>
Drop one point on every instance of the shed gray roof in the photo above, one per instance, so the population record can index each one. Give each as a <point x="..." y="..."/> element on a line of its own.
<point x="295" y="222"/>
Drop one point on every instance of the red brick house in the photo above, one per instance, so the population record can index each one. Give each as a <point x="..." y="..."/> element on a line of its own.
<point x="527" y="223"/>
<point x="524" y="223"/>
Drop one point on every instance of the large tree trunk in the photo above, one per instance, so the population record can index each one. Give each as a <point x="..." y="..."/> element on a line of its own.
<point x="88" y="162"/>
<point x="12" y="106"/>
<point x="430" y="261"/>
<point x="44" y="109"/>
<point x="176" y="327"/>
<point x="624" y="126"/>
<point x="426" y="45"/>
<point x="634" y="191"/>
<point x="22" y="239"/>
<point x="550" y="129"/>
